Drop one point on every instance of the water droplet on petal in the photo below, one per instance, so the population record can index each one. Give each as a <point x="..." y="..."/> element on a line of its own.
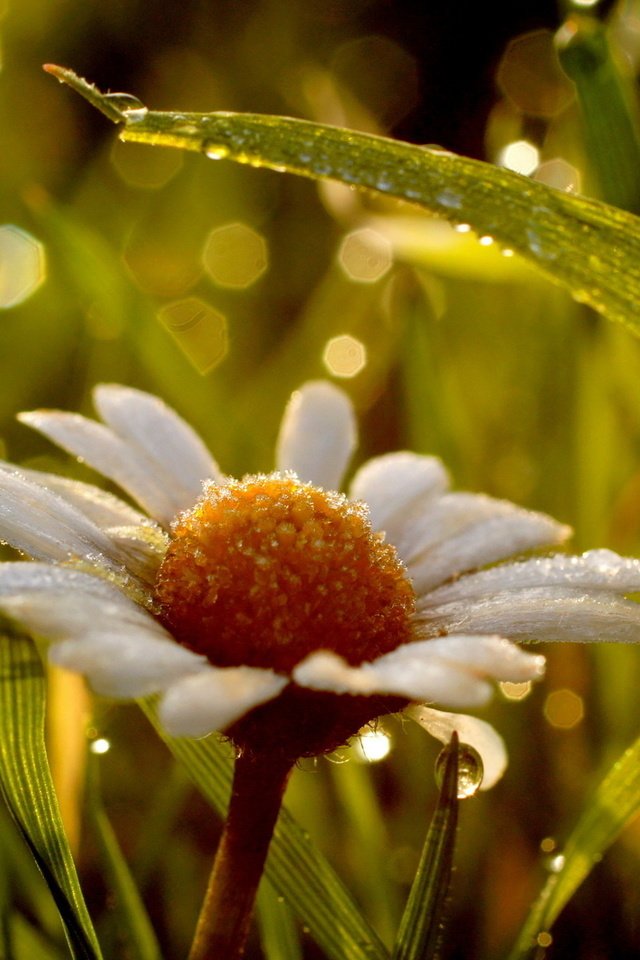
<point x="128" y="105"/>
<point x="470" y="770"/>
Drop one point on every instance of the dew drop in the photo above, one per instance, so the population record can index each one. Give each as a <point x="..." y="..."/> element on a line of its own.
<point x="556" y="863"/>
<point x="449" y="198"/>
<point x="128" y="105"/>
<point x="544" y="939"/>
<point x="384" y="182"/>
<point x="215" y="151"/>
<point x="470" y="770"/>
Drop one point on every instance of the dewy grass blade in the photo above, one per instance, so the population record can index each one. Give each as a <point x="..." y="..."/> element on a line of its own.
<point x="590" y="248"/>
<point x="26" y="785"/>
<point x="615" y="803"/>
<point x="422" y="921"/>
<point x="297" y="870"/>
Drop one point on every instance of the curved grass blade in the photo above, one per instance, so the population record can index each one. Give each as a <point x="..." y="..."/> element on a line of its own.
<point x="422" y="922"/>
<point x="591" y="249"/>
<point x="133" y="926"/>
<point x="25" y="782"/>
<point x="297" y="870"/>
<point x="615" y="803"/>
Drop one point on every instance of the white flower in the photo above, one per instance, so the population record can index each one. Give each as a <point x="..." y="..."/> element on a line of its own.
<point x="104" y="581"/>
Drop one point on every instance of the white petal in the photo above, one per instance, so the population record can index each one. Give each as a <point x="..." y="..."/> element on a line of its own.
<point x="58" y="615"/>
<point x="394" y="485"/>
<point x="147" y="424"/>
<point x="43" y="525"/>
<point x="101" y="507"/>
<point x="540" y="614"/>
<point x="508" y="531"/>
<point x="33" y="577"/>
<point x="126" y="664"/>
<point x="431" y="679"/>
<point x="488" y="656"/>
<point x="317" y="435"/>
<point x="110" y="455"/>
<point x="595" y="570"/>
<point x="472" y="731"/>
<point x="216" y="698"/>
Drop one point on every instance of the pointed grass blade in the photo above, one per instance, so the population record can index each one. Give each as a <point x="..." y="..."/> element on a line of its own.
<point x="422" y="922"/>
<point x="296" y="869"/>
<point x="591" y="249"/>
<point x="609" y="116"/>
<point x="615" y="803"/>
<point x="25" y="782"/>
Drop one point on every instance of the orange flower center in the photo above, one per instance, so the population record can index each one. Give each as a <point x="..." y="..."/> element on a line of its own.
<point x="265" y="570"/>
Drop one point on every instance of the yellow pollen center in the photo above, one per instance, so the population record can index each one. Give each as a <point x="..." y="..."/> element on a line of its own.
<point x="265" y="570"/>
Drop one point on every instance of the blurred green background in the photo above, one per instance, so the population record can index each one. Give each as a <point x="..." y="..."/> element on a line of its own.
<point x="221" y="288"/>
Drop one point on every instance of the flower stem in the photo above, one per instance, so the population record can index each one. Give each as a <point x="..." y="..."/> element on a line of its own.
<point x="223" y="925"/>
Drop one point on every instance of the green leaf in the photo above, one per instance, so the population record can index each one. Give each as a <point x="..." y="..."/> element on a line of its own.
<point x="25" y="782"/>
<point x="297" y="870"/>
<point x="133" y="926"/>
<point x="590" y="248"/>
<point x="27" y="943"/>
<point x="422" y="921"/>
<point x="615" y="803"/>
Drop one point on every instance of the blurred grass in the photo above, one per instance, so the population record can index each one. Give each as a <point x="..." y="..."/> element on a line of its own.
<point x="523" y="392"/>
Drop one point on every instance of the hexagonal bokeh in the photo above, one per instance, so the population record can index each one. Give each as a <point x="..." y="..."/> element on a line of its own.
<point x="531" y="77"/>
<point x="344" y="356"/>
<point x="199" y="330"/>
<point x="365" y="255"/>
<point x="22" y="265"/>
<point x="560" y="174"/>
<point x="521" y="156"/>
<point x="235" y="255"/>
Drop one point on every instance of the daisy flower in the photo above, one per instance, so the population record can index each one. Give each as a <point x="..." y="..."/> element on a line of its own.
<point x="275" y="608"/>
<point x="279" y="611"/>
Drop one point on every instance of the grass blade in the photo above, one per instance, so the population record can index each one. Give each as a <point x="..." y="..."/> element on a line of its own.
<point x="298" y="871"/>
<point x="26" y="785"/>
<point x="133" y="927"/>
<point x="591" y="249"/>
<point x="615" y="803"/>
<point x="278" y="933"/>
<point x="421" y="925"/>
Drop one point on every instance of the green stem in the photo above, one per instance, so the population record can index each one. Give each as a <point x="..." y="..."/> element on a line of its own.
<point x="223" y="925"/>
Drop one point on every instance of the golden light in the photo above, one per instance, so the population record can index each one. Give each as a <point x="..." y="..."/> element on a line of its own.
<point x="531" y="77"/>
<point x="143" y="168"/>
<point x="100" y="746"/>
<point x="22" y="265"/>
<point x="365" y="255"/>
<point x="520" y="156"/>
<point x="199" y="330"/>
<point x="372" y="746"/>
<point x="344" y="356"/>
<point x="564" y="709"/>
<point x="235" y="256"/>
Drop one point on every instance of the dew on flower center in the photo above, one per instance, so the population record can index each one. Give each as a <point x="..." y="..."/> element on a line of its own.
<point x="265" y="570"/>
